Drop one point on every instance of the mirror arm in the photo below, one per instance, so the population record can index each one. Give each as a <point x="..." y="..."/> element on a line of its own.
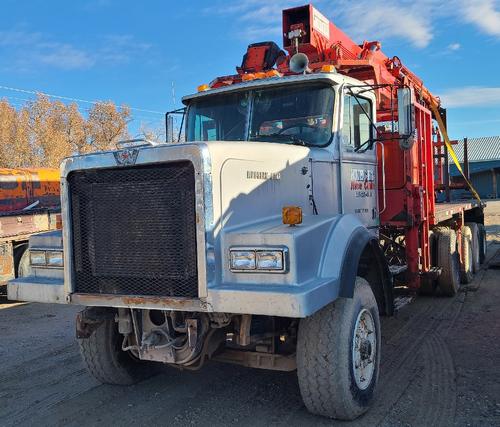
<point x="167" y="115"/>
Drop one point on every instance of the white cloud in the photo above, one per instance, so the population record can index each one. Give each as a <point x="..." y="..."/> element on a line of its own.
<point x="28" y="50"/>
<point x="64" y="56"/>
<point x="257" y="19"/>
<point x="471" y="96"/>
<point x="408" y="20"/>
<point x="19" y="38"/>
<point x="382" y="20"/>
<point x="484" y="14"/>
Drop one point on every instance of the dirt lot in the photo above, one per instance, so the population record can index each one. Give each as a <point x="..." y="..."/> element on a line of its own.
<point x="441" y="367"/>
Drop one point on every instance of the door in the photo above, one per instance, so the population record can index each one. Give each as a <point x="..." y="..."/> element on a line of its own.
<point x="358" y="158"/>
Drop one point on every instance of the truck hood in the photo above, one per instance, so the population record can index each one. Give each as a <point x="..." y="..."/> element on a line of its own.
<point x="252" y="181"/>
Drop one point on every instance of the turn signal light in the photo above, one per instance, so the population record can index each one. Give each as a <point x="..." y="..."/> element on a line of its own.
<point x="292" y="215"/>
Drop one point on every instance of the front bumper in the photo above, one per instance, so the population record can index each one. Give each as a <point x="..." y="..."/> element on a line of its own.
<point x="287" y="301"/>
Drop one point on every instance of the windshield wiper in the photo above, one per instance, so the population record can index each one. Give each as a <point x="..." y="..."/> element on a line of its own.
<point x="280" y="137"/>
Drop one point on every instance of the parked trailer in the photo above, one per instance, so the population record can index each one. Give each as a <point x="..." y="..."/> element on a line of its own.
<point x="274" y="236"/>
<point x="29" y="203"/>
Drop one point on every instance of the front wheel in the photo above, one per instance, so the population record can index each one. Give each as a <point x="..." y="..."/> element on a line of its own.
<point x="338" y="355"/>
<point x="106" y="361"/>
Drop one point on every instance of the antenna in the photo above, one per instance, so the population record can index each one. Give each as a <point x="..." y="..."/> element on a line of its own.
<point x="173" y="95"/>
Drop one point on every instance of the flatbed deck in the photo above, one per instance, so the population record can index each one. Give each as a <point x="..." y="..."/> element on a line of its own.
<point x="446" y="210"/>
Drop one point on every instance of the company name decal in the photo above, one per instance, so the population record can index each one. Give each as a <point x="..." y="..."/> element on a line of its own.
<point x="263" y="175"/>
<point x="362" y="182"/>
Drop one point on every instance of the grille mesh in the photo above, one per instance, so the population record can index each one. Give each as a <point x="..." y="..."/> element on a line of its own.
<point x="134" y="230"/>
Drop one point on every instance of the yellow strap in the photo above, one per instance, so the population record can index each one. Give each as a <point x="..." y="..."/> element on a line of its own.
<point x="442" y="128"/>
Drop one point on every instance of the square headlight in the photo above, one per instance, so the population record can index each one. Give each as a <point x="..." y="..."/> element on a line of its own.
<point x="270" y="260"/>
<point x="242" y="260"/>
<point x="55" y="259"/>
<point x="37" y="258"/>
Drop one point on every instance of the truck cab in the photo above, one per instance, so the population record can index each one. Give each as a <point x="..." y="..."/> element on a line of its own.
<point x="186" y="248"/>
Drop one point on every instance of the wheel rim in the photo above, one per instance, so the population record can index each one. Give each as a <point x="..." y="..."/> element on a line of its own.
<point x="364" y="349"/>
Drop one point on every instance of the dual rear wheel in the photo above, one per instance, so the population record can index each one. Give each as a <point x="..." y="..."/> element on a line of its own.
<point x="456" y="269"/>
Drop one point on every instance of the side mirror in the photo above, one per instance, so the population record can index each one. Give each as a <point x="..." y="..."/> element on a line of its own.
<point x="406" y="118"/>
<point x="169" y="125"/>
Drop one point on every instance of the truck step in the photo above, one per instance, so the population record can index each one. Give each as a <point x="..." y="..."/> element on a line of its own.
<point x="397" y="269"/>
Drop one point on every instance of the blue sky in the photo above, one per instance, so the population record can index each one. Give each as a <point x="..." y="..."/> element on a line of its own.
<point x="132" y="52"/>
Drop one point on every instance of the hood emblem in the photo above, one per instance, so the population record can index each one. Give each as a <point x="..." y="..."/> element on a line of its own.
<point x="126" y="157"/>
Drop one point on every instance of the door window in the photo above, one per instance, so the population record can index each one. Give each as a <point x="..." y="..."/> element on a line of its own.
<point x="356" y="127"/>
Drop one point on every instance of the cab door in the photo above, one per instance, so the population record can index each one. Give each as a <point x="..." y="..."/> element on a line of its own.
<point x="358" y="160"/>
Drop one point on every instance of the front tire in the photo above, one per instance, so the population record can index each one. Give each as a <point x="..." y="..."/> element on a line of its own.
<point x="338" y="355"/>
<point x="23" y="267"/>
<point x="106" y="361"/>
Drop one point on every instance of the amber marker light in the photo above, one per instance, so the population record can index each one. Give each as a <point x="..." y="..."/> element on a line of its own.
<point x="273" y="73"/>
<point x="203" y="88"/>
<point x="292" y="215"/>
<point x="328" y="69"/>
<point x="248" y="77"/>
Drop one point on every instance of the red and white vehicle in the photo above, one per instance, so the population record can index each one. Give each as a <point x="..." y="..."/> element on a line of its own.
<point x="306" y="188"/>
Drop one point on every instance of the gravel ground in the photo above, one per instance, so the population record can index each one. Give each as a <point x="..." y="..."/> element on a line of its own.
<point x="440" y="368"/>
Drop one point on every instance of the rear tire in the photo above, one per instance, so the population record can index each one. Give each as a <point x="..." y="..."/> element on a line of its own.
<point x="338" y="355"/>
<point x="428" y="285"/>
<point x="466" y="265"/>
<point x="449" y="262"/>
<point x="106" y="361"/>
<point x="482" y="243"/>
<point x="475" y="245"/>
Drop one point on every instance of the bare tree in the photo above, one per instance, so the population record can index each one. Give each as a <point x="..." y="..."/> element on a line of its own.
<point x="43" y="132"/>
<point x="106" y="125"/>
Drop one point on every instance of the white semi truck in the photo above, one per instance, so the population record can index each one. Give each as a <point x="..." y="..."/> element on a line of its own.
<point x="260" y="240"/>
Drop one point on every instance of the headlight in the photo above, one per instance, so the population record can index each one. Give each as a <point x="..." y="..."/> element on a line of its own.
<point x="55" y="259"/>
<point x="270" y="260"/>
<point x="242" y="260"/>
<point x="37" y="258"/>
<point x="257" y="260"/>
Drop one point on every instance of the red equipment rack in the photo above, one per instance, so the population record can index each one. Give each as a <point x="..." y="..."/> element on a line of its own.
<point x="410" y="208"/>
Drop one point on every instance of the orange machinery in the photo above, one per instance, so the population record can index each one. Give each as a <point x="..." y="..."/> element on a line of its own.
<point x="29" y="204"/>
<point x="21" y="188"/>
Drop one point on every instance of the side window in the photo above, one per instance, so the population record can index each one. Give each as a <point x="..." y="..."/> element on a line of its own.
<point x="356" y="128"/>
<point x="204" y="128"/>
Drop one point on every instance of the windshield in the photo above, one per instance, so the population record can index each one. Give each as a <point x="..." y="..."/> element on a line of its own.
<point x="288" y="114"/>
